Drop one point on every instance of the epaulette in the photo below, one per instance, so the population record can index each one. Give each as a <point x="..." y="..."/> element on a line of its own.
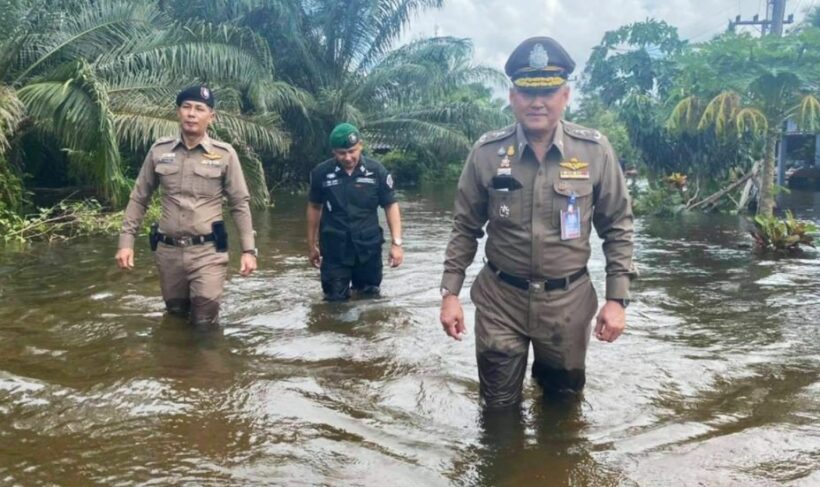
<point x="222" y="145"/>
<point x="579" y="132"/>
<point x="495" y="135"/>
<point x="164" y="140"/>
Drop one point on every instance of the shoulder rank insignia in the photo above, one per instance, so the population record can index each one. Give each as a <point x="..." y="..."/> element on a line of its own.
<point x="574" y="169"/>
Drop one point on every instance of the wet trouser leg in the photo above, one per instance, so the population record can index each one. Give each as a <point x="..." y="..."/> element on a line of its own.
<point x="367" y="275"/>
<point x="207" y="269"/>
<point x="192" y="279"/>
<point x="501" y="345"/>
<point x="335" y="280"/>
<point x="173" y="279"/>
<point x="560" y="337"/>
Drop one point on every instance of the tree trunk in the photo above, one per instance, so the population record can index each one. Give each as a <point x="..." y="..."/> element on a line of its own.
<point x="766" y="206"/>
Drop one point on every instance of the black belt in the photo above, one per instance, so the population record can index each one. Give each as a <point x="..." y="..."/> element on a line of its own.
<point x="548" y="284"/>
<point x="185" y="241"/>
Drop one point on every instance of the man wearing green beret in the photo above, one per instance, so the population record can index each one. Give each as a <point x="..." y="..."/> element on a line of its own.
<point x="343" y="233"/>
<point x="190" y="243"/>
<point x="542" y="184"/>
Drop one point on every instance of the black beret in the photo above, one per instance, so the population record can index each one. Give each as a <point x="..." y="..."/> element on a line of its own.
<point x="196" y="93"/>
<point x="539" y="64"/>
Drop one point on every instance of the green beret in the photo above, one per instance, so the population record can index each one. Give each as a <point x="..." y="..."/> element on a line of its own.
<point x="344" y="136"/>
<point x="539" y="64"/>
<point x="196" y="93"/>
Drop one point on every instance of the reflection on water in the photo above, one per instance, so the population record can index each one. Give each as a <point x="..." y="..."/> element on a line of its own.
<point x="716" y="382"/>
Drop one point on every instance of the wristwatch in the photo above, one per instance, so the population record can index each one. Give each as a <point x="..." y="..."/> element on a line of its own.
<point x="623" y="302"/>
<point x="397" y="242"/>
<point x="254" y="252"/>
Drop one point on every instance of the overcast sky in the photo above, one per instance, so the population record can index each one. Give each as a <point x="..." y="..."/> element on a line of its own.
<point x="497" y="26"/>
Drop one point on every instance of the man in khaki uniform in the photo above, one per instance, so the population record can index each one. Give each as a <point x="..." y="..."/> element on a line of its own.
<point x="195" y="173"/>
<point x="542" y="183"/>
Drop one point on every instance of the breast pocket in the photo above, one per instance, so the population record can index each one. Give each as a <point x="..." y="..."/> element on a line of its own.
<point x="506" y="207"/>
<point x="562" y="191"/>
<point x="364" y="193"/>
<point x="168" y="177"/>
<point x="207" y="181"/>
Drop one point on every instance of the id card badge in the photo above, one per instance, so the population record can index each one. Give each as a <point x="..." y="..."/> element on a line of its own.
<point x="570" y="221"/>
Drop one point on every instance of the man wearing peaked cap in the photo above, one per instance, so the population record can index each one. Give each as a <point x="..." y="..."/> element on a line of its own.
<point x="190" y="243"/>
<point x="542" y="184"/>
<point x="343" y="233"/>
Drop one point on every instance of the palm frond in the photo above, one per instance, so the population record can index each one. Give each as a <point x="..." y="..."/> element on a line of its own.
<point x="751" y="120"/>
<point x="262" y="132"/>
<point x="74" y="105"/>
<point x="720" y="112"/>
<point x="808" y="115"/>
<point x="685" y="116"/>
<point x="12" y="112"/>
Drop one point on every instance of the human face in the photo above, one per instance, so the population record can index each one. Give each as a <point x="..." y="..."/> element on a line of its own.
<point x="194" y="118"/>
<point x="539" y="113"/>
<point x="348" y="158"/>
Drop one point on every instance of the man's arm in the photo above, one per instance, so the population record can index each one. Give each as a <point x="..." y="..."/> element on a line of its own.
<point x="469" y="217"/>
<point x="612" y="218"/>
<point x="314" y="214"/>
<point x="239" y="199"/>
<point x="393" y="216"/>
<point x="135" y="211"/>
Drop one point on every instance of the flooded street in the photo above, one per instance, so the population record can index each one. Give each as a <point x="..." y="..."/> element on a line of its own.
<point x="716" y="381"/>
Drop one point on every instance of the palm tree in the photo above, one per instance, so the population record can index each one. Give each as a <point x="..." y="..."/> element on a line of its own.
<point x="95" y="76"/>
<point x="762" y="83"/>
<point x="342" y="53"/>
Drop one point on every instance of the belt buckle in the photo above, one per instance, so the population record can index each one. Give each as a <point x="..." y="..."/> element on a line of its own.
<point x="183" y="241"/>
<point x="535" y="285"/>
<point x="566" y="283"/>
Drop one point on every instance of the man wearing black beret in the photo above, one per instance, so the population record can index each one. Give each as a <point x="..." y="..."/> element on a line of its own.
<point x="190" y="244"/>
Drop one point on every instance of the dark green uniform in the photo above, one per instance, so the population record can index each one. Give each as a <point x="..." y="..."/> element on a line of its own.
<point x="350" y="238"/>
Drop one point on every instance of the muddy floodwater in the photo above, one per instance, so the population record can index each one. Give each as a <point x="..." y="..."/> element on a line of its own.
<point x="716" y="382"/>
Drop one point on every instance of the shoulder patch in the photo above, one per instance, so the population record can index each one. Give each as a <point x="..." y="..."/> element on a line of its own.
<point x="496" y="135"/>
<point x="579" y="132"/>
<point x="221" y="145"/>
<point x="164" y="140"/>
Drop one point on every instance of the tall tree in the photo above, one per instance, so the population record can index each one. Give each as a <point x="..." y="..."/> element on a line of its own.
<point x="753" y="86"/>
<point x="92" y="76"/>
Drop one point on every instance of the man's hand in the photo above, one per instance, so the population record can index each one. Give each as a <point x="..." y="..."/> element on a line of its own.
<point x="610" y="322"/>
<point x="396" y="256"/>
<point x="315" y="257"/>
<point x="452" y="317"/>
<point x="125" y="258"/>
<point x="247" y="265"/>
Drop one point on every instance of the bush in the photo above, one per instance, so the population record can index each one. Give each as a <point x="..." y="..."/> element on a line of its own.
<point x="783" y="236"/>
<point x="656" y="201"/>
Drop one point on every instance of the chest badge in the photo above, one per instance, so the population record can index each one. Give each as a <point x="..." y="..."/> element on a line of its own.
<point x="505" y="168"/>
<point x="168" y="157"/>
<point x="504" y="211"/>
<point x="574" y="169"/>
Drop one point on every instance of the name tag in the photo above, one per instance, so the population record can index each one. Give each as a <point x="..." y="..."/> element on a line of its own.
<point x="330" y="182"/>
<point x="168" y="157"/>
<point x="570" y="223"/>
<point x="569" y="174"/>
<point x="366" y="180"/>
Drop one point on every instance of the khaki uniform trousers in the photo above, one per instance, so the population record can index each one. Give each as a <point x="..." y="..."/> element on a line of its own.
<point x="192" y="279"/>
<point x="557" y="322"/>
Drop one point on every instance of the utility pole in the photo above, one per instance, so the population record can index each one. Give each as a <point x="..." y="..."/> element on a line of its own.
<point x="772" y="24"/>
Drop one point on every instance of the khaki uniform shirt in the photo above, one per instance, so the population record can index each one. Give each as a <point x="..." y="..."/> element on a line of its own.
<point x="524" y="230"/>
<point x="193" y="183"/>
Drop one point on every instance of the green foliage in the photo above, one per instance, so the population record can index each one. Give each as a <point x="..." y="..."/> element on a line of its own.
<point x="782" y="236"/>
<point x="64" y="221"/>
<point x="661" y="200"/>
<point x="12" y="193"/>
<point x="635" y="59"/>
<point x="411" y="168"/>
